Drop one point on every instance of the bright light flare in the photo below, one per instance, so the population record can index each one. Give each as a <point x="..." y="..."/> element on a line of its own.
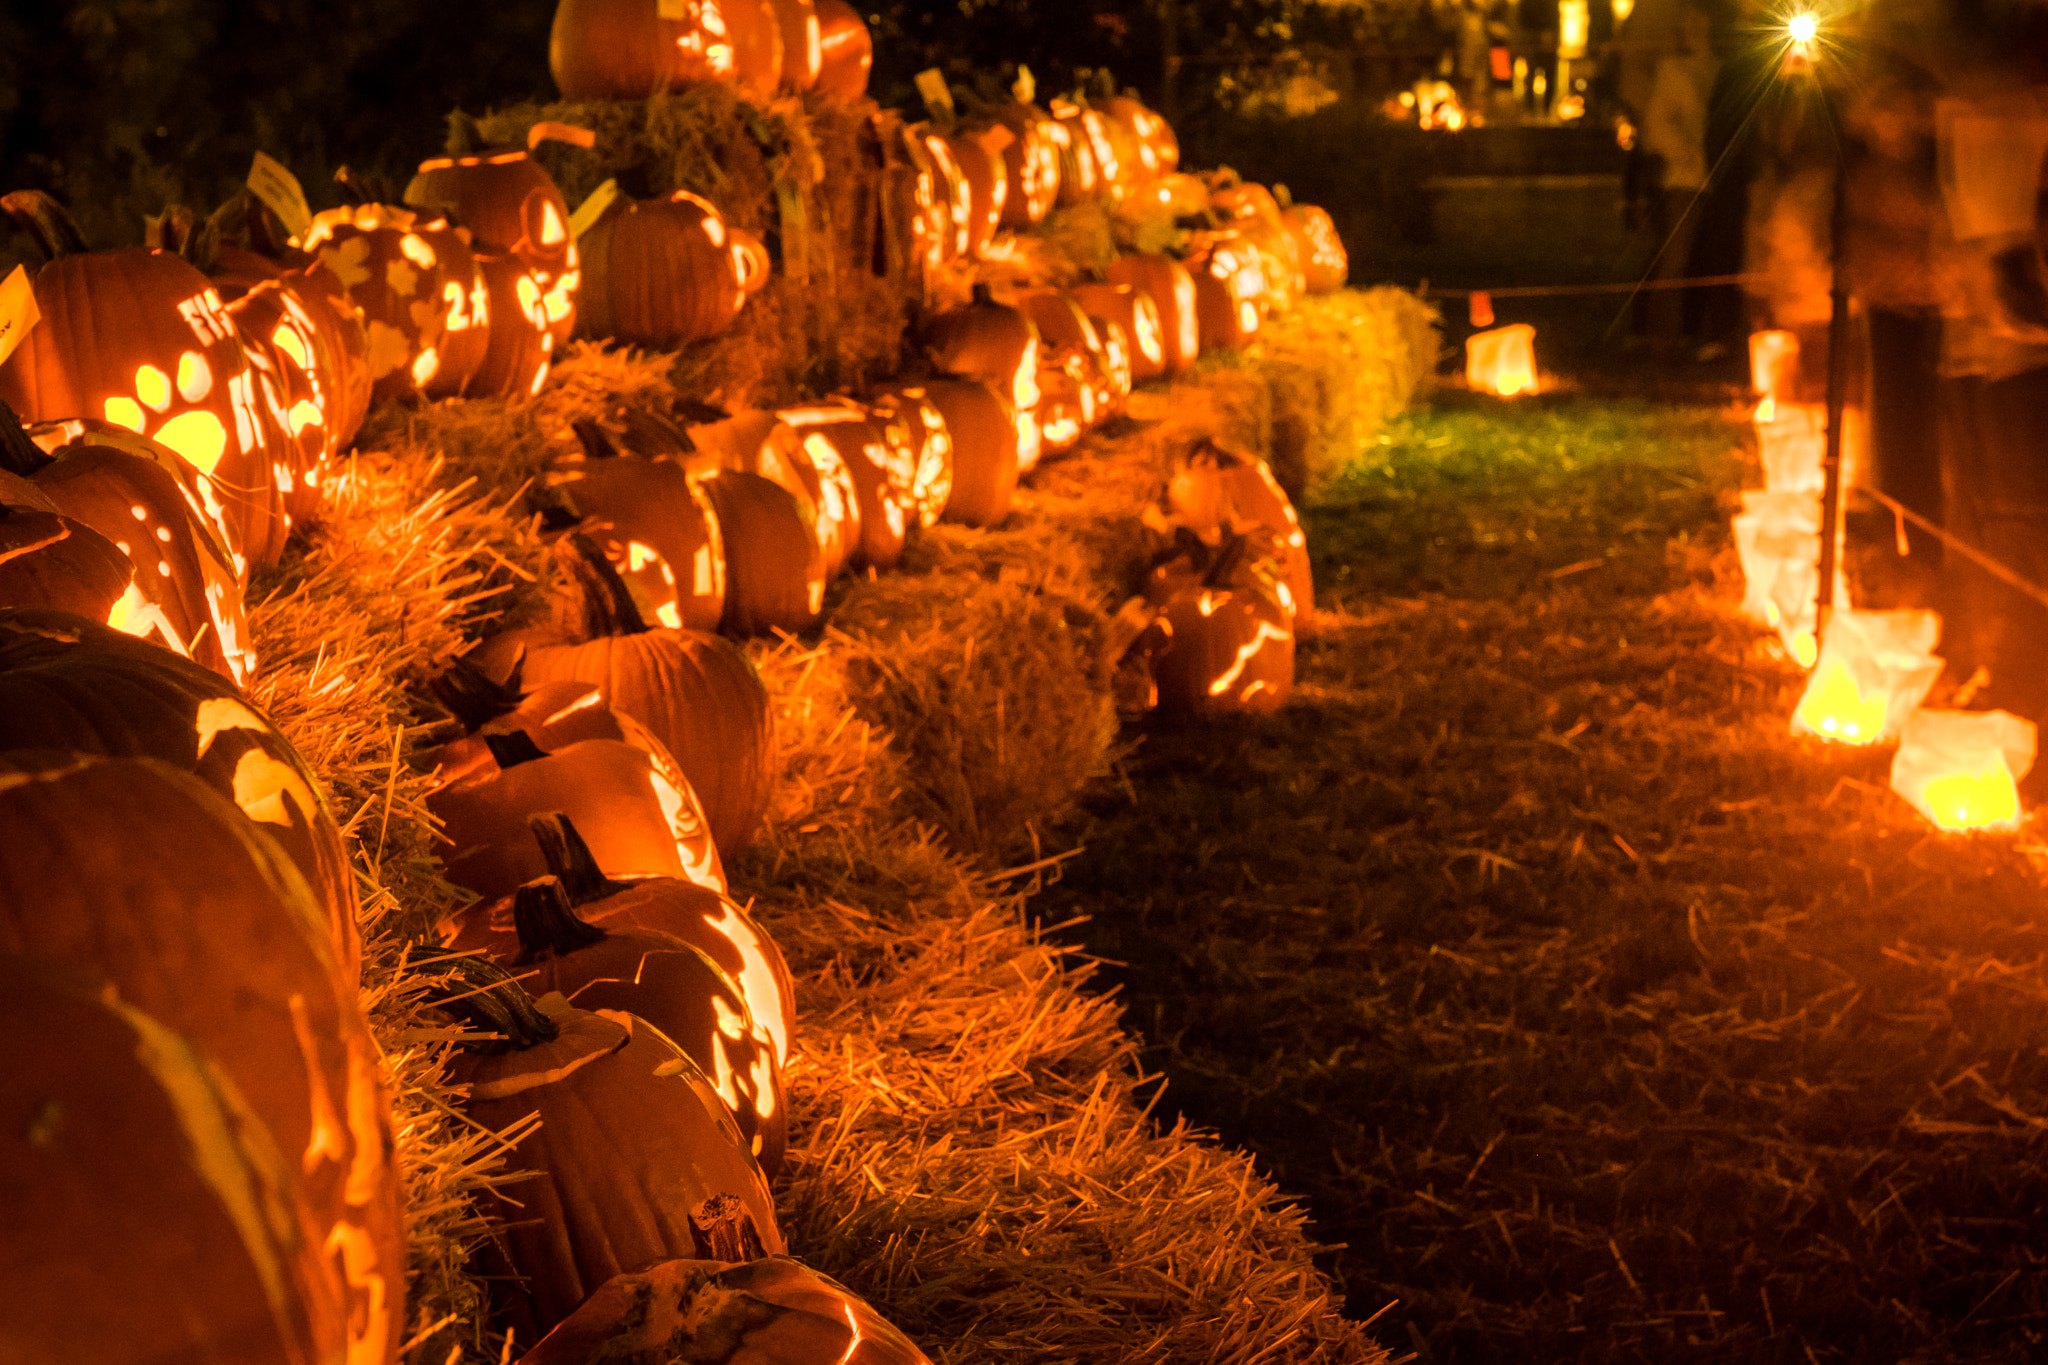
<point x="1803" y="28"/>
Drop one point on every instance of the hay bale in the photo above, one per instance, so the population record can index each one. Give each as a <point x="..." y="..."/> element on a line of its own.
<point x="810" y="176"/>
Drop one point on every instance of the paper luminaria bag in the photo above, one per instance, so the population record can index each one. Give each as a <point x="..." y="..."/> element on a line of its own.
<point x="1874" y="670"/>
<point x="1502" y="361"/>
<point x="1961" y="769"/>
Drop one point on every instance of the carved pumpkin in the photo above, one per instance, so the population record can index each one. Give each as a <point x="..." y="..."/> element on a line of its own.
<point x="51" y="562"/>
<point x="696" y="693"/>
<point x="664" y="272"/>
<point x="775" y="572"/>
<point x="846" y="50"/>
<point x="665" y="980"/>
<point x="1215" y="489"/>
<point x="522" y="337"/>
<point x="1031" y="162"/>
<point x="803" y="43"/>
<point x="929" y="445"/>
<point x="1230" y="285"/>
<point x="705" y="919"/>
<point x="982" y="429"/>
<point x="1172" y="289"/>
<point x="879" y="464"/>
<point x="554" y="716"/>
<point x="1221" y="639"/>
<point x="1132" y="312"/>
<point x="772" y="1309"/>
<point x="1325" y="264"/>
<point x="410" y="274"/>
<point x="142" y="339"/>
<point x="140" y="874"/>
<point x="992" y="342"/>
<point x="1066" y="327"/>
<point x="655" y="525"/>
<point x="1158" y="148"/>
<point x="804" y="458"/>
<point x="923" y="191"/>
<point x="630" y="49"/>
<point x="137" y="1177"/>
<point x="986" y="181"/>
<point x="183" y="593"/>
<point x="1081" y="170"/>
<point x="595" y="1082"/>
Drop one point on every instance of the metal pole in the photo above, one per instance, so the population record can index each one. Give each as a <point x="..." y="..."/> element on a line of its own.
<point x="1838" y="376"/>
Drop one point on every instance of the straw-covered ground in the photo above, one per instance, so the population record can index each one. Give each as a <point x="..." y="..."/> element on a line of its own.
<point x="1601" y="1018"/>
<point x="972" y="1145"/>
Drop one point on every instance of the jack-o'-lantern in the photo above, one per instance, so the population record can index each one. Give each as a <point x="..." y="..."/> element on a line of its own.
<point x="1136" y="317"/>
<point x="775" y="570"/>
<point x="50" y="562"/>
<point x="707" y="920"/>
<point x="1158" y="148"/>
<point x="1230" y="285"/>
<point x="695" y="692"/>
<point x="510" y="203"/>
<point x="145" y="500"/>
<point x="655" y="525"/>
<point x="145" y="877"/>
<point x="929" y="442"/>
<point x="572" y="1081"/>
<point x="665" y="980"/>
<point x="879" y="466"/>
<point x="1961" y="769"/>
<point x="952" y="194"/>
<point x="416" y="284"/>
<point x="1031" y="163"/>
<point x="997" y="345"/>
<point x="631" y="49"/>
<point x="846" y="50"/>
<point x="1221" y="639"/>
<point x="554" y="716"/>
<point x="983" y="429"/>
<point x="769" y="1308"/>
<point x="1077" y="134"/>
<point x="1215" y="489"/>
<point x="71" y="684"/>
<point x="1325" y="264"/>
<point x="136" y="1176"/>
<point x="803" y="43"/>
<point x="818" y="474"/>
<point x="141" y="339"/>
<point x="1171" y="287"/>
<point x="665" y="272"/>
<point x="986" y="183"/>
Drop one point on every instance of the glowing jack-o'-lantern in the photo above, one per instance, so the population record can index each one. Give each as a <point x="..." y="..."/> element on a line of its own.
<point x="1220" y="639"/>
<point x="846" y="50"/>
<point x="1324" y="262"/>
<point x="986" y="184"/>
<point x="998" y="345"/>
<point x="1078" y="136"/>
<point x="1134" y="313"/>
<point x="1229" y="284"/>
<point x="1172" y="289"/>
<point x="879" y="465"/>
<point x="1502" y="361"/>
<point x="929" y="443"/>
<point x="1961" y="769"/>
<point x="141" y="340"/>
<point x="1874" y="669"/>
<point x="656" y="527"/>
<point x="145" y="500"/>
<point x="1159" y="149"/>
<point x="414" y="278"/>
<point x="1215" y="490"/>
<point x="663" y="272"/>
<point x="631" y="49"/>
<point x="1031" y="160"/>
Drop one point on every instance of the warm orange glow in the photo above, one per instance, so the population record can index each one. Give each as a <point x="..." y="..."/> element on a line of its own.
<point x="1502" y="361"/>
<point x="287" y="339"/>
<point x="552" y="229"/>
<point x="153" y="387"/>
<point x="1979" y="800"/>
<point x="195" y="377"/>
<point x="1804" y="650"/>
<point x="1245" y="653"/>
<point x="197" y="436"/>
<point x="416" y="249"/>
<point x="305" y="413"/>
<point x="1145" y="321"/>
<point x="1835" y="708"/>
<point x="425" y="365"/>
<point x="125" y="412"/>
<point x="1961" y="769"/>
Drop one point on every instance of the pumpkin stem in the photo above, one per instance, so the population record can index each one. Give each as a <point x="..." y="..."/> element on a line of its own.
<point x="46" y="220"/>
<point x="18" y="453"/>
<point x="547" y="923"/>
<point x="597" y="442"/>
<point x="473" y="696"/>
<point x="464" y="137"/>
<point x="722" y="1229"/>
<point x="597" y="602"/>
<point x="654" y="436"/>
<point x="1230" y="557"/>
<point x="484" y="996"/>
<point x="570" y="860"/>
<point x="983" y="294"/>
<point x="513" y="748"/>
<point x="359" y="189"/>
<point x="245" y="221"/>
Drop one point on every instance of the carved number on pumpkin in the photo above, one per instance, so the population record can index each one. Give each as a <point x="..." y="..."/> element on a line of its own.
<point x="207" y="318"/>
<point x="242" y="389"/>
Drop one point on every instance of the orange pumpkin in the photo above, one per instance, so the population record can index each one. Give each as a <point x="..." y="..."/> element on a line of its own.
<point x="630" y="49"/>
<point x="846" y="50"/>
<point x="1172" y="289"/>
<point x="665" y="272"/>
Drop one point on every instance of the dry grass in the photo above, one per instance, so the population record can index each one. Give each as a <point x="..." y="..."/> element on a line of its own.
<point x="1602" y="1018"/>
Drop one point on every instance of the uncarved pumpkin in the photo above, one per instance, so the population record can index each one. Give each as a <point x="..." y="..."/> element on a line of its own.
<point x="664" y="272"/>
<point x="846" y="50"/>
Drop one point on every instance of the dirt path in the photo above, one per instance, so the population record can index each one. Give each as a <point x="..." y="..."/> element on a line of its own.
<point x="1602" y="1019"/>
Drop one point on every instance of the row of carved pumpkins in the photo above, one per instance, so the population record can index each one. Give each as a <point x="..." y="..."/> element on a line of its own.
<point x="196" y="1111"/>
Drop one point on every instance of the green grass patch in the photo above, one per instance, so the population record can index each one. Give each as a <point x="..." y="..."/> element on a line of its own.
<point x="1598" y="1016"/>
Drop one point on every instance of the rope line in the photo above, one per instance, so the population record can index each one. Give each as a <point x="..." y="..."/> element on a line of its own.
<point x="1984" y="561"/>
<point x="1530" y="291"/>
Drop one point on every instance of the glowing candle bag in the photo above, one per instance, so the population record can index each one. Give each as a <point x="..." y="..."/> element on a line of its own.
<point x="1874" y="671"/>
<point x="1961" y="769"/>
<point x="1773" y="364"/>
<point x="1502" y="361"/>
<point x="1791" y="441"/>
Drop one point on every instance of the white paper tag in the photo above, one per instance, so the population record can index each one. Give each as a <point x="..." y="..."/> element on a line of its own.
<point x="18" y="311"/>
<point x="279" y="190"/>
<point x="590" y="210"/>
<point x="938" y="98"/>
